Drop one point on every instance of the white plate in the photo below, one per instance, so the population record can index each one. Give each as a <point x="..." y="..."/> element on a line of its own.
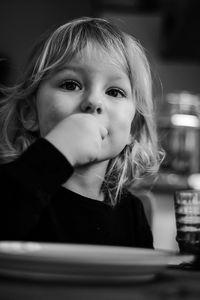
<point x="80" y="262"/>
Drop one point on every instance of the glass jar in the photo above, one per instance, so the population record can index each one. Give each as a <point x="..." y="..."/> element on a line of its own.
<point x="178" y="127"/>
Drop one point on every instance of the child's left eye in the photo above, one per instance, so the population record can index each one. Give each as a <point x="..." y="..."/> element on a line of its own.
<point x="70" y="85"/>
<point x="116" y="93"/>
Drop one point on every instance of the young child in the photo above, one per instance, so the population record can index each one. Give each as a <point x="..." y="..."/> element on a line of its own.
<point x="77" y="133"/>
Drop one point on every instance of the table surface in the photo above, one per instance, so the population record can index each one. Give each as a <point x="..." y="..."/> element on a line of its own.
<point x="170" y="284"/>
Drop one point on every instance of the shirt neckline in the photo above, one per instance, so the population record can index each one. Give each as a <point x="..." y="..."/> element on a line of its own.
<point x="83" y="200"/>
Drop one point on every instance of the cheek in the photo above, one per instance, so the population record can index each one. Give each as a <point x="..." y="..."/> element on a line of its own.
<point x="125" y="125"/>
<point x="49" y="116"/>
<point x="126" y="117"/>
<point x="121" y="126"/>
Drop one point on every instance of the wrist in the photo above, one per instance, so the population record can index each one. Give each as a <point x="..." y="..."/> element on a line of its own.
<point x="68" y="154"/>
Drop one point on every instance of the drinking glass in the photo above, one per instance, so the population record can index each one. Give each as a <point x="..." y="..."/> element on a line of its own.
<point x="187" y="212"/>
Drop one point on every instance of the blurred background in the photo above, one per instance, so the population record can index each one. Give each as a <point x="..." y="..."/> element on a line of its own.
<point x="169" y="30"/>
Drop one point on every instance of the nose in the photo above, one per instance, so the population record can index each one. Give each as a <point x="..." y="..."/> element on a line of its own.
<point x="92" y="104"/>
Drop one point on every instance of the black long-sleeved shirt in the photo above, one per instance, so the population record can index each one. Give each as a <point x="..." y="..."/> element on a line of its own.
<point x="35" y="207"/>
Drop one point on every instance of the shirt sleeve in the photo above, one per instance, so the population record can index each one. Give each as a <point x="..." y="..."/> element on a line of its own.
<point x="27" y="185"/>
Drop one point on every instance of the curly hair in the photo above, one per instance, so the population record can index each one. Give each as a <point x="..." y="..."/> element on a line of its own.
<point x="19" y="126"/>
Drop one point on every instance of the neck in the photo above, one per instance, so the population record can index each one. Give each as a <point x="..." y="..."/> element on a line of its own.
<point x="87" y="181"/>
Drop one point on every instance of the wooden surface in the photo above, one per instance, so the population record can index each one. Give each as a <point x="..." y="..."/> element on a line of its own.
<point x="171" y="284"/>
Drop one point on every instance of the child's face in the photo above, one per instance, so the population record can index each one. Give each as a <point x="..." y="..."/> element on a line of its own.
<point x="90" y="80"/>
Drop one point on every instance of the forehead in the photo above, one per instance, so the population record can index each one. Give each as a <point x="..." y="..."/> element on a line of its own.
<point x="92" y="54"/>
<point x="102" y="57"/>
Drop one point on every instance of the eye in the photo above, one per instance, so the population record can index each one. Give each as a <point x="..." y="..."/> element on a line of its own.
<point x="116" y="93"/>
<point x="70" y="85"/>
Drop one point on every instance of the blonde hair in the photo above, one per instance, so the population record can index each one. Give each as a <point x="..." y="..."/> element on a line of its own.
<point x="18" y="116"/>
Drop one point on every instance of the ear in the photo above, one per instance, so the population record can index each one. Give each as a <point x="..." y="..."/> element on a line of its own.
<point x="31" y="125"/>
<point x="30" y="118"/>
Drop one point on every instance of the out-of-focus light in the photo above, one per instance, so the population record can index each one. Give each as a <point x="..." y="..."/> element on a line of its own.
<point x="185" y="120"/>
<point x="194" y="181"/>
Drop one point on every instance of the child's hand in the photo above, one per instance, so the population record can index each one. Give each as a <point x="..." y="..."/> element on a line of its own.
<point x="79" y="137"/>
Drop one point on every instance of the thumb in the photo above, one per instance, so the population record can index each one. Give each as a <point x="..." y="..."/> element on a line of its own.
<point x="103" y="132"/>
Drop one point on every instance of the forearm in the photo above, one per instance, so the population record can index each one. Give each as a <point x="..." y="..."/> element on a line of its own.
<point x="27" y="184"/>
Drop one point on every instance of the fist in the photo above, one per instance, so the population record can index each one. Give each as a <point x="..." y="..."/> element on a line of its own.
<point x="79" y="138"/>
